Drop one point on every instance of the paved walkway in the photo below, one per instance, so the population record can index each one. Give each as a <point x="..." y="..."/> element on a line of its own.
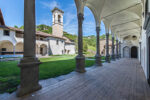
<point x="120" y="80"/>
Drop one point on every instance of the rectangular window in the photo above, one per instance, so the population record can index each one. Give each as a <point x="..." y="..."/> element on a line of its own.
<point x="41" y="39"/>
<point x="57" y="42"/>
<point x="6" y="33"/>
<point x="3" y="49"/>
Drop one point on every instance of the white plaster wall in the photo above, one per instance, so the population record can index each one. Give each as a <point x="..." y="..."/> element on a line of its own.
<point x="10" y="38"/>
<point x="144" y="52"/>
<point x="144" y="47"/>
<point x="54" y="48"/>
<point x="130" y="44"/>
<point x="71" y="48"/>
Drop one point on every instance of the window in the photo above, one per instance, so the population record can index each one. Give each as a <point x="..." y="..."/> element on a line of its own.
<point x="59" y="18"/>
<point x="41" y="39"/>
<point x="3" y="49"/>
<point x="6" y="33"/>
<point x="57" y="42"/>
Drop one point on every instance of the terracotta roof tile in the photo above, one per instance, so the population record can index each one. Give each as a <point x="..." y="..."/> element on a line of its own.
<point x="38" y="32"/>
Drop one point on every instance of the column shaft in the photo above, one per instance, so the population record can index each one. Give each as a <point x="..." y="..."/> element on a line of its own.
<point x="113" y="47"/>
<point x="29" y="64"/>
<point x="117" y="53"/>
<point x="98" y="56"/>
<point x="119" y="49"/>
<point x="80" y="59"/>
<point x="107" y="48"/>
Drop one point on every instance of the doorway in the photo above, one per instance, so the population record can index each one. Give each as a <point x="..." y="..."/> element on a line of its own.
<point x="126" y="52"/>
<point x="134" y="52"/>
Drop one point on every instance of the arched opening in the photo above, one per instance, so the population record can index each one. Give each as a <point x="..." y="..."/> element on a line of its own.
<point x="126" y="52"/>
<point x="59" y="18"/>
<point x="134" y="52"/>
<point x="19" y="48"/>
<point x="6" y="48"/>
<point x="43" y="50"/>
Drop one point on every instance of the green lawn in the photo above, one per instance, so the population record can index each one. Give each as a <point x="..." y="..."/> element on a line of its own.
<point x="51" y="67"/>
<point x="102" y="58"/>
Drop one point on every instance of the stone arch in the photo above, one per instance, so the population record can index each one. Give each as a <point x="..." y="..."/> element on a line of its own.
<point x="126" y="52"/>
<point x="43" y="50"/>
<point x="19" y="48"/>
<point x="6" y="47"/>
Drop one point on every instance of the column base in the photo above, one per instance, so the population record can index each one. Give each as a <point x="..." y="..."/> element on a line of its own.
<point x="113" y="58"/>
<point x="98" y="60"/>
<point x="29" y="76"/>
<point x="22" y="91"/>
<point x="117" y="56"/>
<point x="107" y="58"/>
<point x="80" y="64"/>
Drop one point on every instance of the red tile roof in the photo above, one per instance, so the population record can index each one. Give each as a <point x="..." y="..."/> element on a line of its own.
<point x="37" y="33"/>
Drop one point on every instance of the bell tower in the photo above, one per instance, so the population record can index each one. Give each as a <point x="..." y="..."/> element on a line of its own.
<point x="57" y="20"/>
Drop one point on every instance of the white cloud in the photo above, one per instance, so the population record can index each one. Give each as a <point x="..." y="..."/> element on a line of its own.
<point x="50" y="5"/>
<point x="89" y="28"/>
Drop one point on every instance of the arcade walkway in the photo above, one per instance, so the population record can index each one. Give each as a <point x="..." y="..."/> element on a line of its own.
<point x="120" y="80"/>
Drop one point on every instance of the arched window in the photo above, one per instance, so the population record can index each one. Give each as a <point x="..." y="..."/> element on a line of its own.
<point x="59" y="18"/>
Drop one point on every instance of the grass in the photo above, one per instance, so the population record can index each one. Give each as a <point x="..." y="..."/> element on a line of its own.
<point x="91" y="48"/>
<point x="102" y="57"/>
<point x="50" y="67"/>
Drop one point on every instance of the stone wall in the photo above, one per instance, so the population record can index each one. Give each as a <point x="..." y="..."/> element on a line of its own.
<point x="56" y="46"/>
<point x="69" y="49"/>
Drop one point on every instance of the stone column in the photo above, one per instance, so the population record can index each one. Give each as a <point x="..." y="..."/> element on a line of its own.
<point x="140" y="52"/>
<point x="98" y="56"/>
<point x="113" y="48"/>
<point x="107" y="48"/>
<point x="80" y="58"/>
<point x="119" y="49"/>
<point x="117" y="54"/>
<point x="29" y="64"/>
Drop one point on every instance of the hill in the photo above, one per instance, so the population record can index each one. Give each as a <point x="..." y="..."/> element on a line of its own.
<point x="89" y="42"/>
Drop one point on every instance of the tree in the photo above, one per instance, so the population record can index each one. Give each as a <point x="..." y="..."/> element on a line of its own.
<point x="85" y="47"/>
<point x="44" y="28"/>
<point x="16" y="26"/>
<point x="22" y="27"/>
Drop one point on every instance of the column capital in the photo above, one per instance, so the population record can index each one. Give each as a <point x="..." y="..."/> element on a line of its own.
<point x="107" y="34"/>
<point x="98" y="28"/>
<point x="80" y="16"/>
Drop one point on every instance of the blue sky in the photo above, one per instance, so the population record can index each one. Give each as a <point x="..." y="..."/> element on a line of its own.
<point x="13" y="12"/>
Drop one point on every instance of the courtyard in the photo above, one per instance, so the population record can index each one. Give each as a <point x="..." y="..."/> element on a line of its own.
<point x="115" y="32"/>
<point x="51" y="67"/>
<point x="121" y="80"/>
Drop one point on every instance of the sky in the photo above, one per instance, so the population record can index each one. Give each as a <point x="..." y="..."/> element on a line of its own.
<point x="13" y="12"/>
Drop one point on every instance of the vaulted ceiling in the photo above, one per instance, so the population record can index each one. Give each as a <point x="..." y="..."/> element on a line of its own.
<point x="123" y="16"/>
